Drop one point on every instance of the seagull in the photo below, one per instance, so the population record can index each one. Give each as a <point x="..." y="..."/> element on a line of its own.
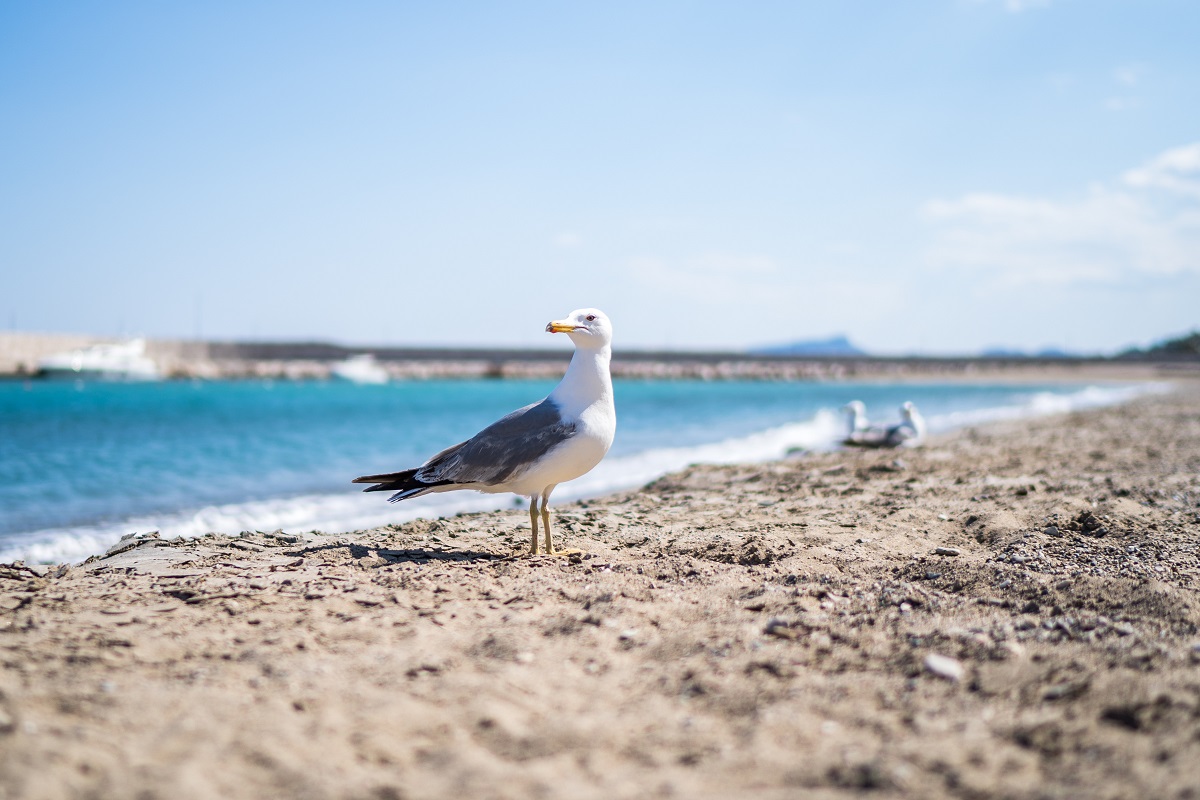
<point x="856" y="417"/>
<point x="535" y="448"/>
<point x="910" y="432"/>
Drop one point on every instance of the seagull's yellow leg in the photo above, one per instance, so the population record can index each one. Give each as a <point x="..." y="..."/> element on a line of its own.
<point x="533" y="516"/>
<point x="546" y="522"/>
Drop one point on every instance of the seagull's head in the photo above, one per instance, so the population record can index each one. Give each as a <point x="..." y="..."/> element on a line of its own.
<point x="855" y="408"/>
<point x="587" y="327"/>
<point x="907" y="410"/>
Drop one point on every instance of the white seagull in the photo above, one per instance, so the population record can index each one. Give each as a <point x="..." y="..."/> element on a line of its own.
<point x="535" y="448"/>
<point x="911" y="430"/>
<point x="856" y="418"/>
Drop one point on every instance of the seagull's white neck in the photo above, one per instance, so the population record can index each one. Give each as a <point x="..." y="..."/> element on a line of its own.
<point x="587" y="381"/>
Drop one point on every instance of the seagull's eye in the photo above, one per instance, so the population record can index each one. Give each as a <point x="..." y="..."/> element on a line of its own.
<point x="591" y="317"/>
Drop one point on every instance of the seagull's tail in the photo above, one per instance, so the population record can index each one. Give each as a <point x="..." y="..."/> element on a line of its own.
<point x="405" y="484"/>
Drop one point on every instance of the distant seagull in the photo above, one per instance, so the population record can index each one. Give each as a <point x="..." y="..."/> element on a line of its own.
<point x="856" y="418"/>
<point x="910" y="432"/>
<point x="535" y="448"/>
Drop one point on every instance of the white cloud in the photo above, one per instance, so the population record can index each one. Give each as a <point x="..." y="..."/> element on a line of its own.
<point x="1148" y="223"/>
<point x="567" y="239"/>
<point x="1172" y="171"/>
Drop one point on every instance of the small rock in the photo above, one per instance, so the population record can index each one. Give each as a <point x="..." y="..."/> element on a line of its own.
<point x="820" y="640"/>
<point x="1052" y="530"/>
<point x="131" y="540"/>
<point x="944" y="667"/>
<point x="1013" y="649"/>
<point x="946" y="551"/>
<point x="781" y="629"/>
<point x="1068" y="690"/>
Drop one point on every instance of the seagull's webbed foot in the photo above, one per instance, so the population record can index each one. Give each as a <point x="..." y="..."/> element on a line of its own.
<point x="570" y="551"/>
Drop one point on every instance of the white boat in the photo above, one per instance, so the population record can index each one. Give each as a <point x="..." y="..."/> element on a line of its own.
<point x="359" y="369"/>
<point x="126" y="361"/>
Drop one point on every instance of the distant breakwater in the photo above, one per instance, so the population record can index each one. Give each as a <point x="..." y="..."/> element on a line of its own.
<point x="20" y="352"/>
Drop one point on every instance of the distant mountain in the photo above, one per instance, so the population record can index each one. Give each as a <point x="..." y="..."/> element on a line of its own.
<point x="1045" y="352"/>
<point x="833" y="346"/>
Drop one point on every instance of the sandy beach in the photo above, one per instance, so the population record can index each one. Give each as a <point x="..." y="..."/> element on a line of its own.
<point x="1011" y="611"/>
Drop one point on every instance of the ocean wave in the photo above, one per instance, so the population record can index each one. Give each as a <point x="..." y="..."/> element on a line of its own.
<point x="1042" y="404"/>
<point x="350" y="511"/>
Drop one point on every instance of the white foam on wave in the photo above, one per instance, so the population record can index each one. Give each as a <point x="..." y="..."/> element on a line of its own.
<point x="356" y="511"/>
<point x="1043" y="404"/>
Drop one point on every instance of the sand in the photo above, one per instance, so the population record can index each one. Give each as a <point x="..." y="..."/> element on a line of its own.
<point x="1011" y="611"/>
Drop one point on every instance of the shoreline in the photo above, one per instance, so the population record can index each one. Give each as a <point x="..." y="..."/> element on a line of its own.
<point x="1013" y="610"/>
<point x="316" y="510"/>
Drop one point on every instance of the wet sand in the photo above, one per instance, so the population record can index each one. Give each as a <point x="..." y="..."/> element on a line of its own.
<point x="1011" y="611"/>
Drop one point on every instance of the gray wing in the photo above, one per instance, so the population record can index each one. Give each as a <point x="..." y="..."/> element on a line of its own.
<point x="501" y="450"/>
<point x="899" y="434"/>
<point x="870" y="437"/>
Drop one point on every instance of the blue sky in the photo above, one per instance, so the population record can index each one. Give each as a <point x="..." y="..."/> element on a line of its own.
<point x="931" y="176"/>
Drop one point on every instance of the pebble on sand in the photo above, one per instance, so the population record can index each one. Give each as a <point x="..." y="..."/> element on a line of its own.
<point x="944" y="667"/>
<point x="946" y="551"/>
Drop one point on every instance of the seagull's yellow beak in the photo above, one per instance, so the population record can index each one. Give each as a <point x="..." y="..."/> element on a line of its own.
<point x="560" y="326"/>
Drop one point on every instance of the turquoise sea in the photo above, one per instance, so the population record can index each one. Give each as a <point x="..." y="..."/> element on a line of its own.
<point x="82" y="464"/>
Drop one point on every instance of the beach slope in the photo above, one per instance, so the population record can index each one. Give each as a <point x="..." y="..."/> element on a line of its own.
<point x="1011" y="611"/>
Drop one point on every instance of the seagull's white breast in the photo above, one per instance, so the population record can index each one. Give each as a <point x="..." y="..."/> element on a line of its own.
<point x="595" y="428"/>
